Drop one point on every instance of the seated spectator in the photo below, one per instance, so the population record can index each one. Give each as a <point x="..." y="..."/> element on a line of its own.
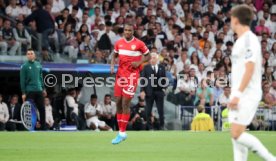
<point x="71" y="44"/>
<point x="83" y="32"/>
<point x="225" y="97"/>
<point x="93" y="111"/>
<point x="206" y="58"/>
<point x="98" y="58"/>
<point x="46" y="56"/>
<point x="268" y="75"/>
<point x="268" y="98"/>
<point x="14" y="113"/>
<point x="71" y="108"/>
<point x="22" y="36"/>
<point x="109" y="111"/>
<point x="202" y="121"/>
<point x="228" y="50"/>
<point x="138" y="116"/>
<point x="86" y="47"/>
<point x="272" y="90"/>
<point x="204" y="40"/>
<point x="8" y="37"/>
<point x="204" y="95"/>
<point x="217" y="91"/>
<point x="4" y="114"/>
<point x="13" y="10"/>
<point x="261" y="28"/>
<point x="185" y="91"/>
<point x="48" y="113"/>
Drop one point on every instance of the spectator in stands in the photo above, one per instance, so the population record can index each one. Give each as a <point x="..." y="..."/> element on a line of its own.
<point x="225" y="97"/>
<point x="184" y="60"/>
<point x="109" y="111"/>
<point x="195" y="47"/>
<point x="63" y="19"/>
<point x="13" y="10"/>
<point x="261" y="28"/>
<point x="83" y="31"/>
<point x="185" y="90"/>
<point x="4" y="114"/>
<point x="71" y="108"/>
<point x="272" y="58"/>
<point x="58" y="6"/>
<point x="202" y="121"/>
<point x="226" y="61"/>
<point x="218" y="90"/>
<point x="204" y="40"/>
<point x="86" y="48"/>
<point x="228" y="50"/>
<point x="272" y="90"/>
<point x="48" y="113"/>
<point x="206" y="58"/>
<point x="93" y="111"/>
<point x="71" y="44"/>
<point x="204" y="94"/>
<point x="22" y="36"/>
<point x="268" y="75"/>
<point x="75" y="7"/>
<point x="44" y="23"/>
<point x="8" y="36"/>
<point x="46" y="56"/>
<point x="14" y="113"/>
<point x="268" y="98"/>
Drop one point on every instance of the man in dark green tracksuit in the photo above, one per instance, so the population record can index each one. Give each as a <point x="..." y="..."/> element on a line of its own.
<point x="32" y="86"/>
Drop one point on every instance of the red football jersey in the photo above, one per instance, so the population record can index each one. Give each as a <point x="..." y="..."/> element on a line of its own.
<point x="129" y="51"/>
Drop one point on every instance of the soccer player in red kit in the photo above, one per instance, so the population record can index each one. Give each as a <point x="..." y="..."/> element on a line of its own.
<point x="132" y="53"/>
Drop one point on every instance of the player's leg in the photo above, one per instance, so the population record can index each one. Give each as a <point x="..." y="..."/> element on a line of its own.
<point x="119" y="111"/>
<point x="249" y="141"/>
<point x="239" y="120"/>
<point x="240" y="151"/>
<point x="39" y="102"/>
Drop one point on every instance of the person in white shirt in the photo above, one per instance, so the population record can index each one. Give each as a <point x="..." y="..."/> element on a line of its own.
<point x="48" y="112"/>
<point x="71" y="108"/>
<point x="225" y="97"/>
<point x="74" y="3"/>
<point x="27" y="9"/>
<point x="246" y="86"/>
<point x="4" y="114"/>
<point x="13" y="10"/>
<point x="58" y="6"/>
<point x="92" y="112"/>
<point x="109" y="111"/>
<point x="206" y="58"/>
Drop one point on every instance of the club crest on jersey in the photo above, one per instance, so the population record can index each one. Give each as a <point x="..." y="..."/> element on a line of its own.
<point x="133" y="47"/>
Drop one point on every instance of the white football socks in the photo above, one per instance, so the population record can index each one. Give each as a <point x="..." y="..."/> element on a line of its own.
<point x="253" y="144"/>
<point x="240" y="151"/>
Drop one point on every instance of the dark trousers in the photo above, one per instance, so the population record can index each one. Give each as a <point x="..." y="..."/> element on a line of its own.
<point x="158" y="98"/>
<point x="38" y="100"/>
<point x="2" y="126"/>
<point x="110" y="122"/>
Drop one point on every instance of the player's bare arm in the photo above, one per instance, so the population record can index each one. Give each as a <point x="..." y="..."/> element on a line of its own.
<point x="144" y="59"/>
<point x="249" y="69"/>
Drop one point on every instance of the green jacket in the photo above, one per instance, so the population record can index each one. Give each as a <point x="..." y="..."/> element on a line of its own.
<point x="31" y="79"/>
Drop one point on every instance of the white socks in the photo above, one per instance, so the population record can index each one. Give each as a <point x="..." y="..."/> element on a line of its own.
<point x="240" y="151"/>
<point x="123" y="134"/>
<point x="252" y="143"/>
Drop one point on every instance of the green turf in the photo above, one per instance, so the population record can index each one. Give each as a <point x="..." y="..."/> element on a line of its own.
<point x="140" y="146"/>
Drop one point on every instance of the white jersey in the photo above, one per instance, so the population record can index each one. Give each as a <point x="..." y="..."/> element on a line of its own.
<point x="90" y="109"/>
<point x="247" y="48"/>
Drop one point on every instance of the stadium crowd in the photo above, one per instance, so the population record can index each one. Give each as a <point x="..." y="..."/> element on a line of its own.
<point x="192" y="38"/>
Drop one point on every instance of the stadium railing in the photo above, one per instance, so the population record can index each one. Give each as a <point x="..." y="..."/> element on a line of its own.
<point x="265" y="119"/>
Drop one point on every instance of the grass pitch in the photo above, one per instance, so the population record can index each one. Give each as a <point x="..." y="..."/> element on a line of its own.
<point x="140" y="146"/>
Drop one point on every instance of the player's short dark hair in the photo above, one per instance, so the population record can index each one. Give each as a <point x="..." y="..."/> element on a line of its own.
<point x="243" y="13"/>
<point x="128" y="24"/>
<point x="93" y="96"/>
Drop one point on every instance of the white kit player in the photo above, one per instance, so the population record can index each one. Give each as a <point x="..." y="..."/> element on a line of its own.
<point x="246" y="91"/>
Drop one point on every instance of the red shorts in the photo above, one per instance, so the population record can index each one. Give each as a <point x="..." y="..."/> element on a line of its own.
<point x="126" y="85"/>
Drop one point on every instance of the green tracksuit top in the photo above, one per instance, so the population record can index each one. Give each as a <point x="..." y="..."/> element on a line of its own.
<point x="31" y="79"/>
